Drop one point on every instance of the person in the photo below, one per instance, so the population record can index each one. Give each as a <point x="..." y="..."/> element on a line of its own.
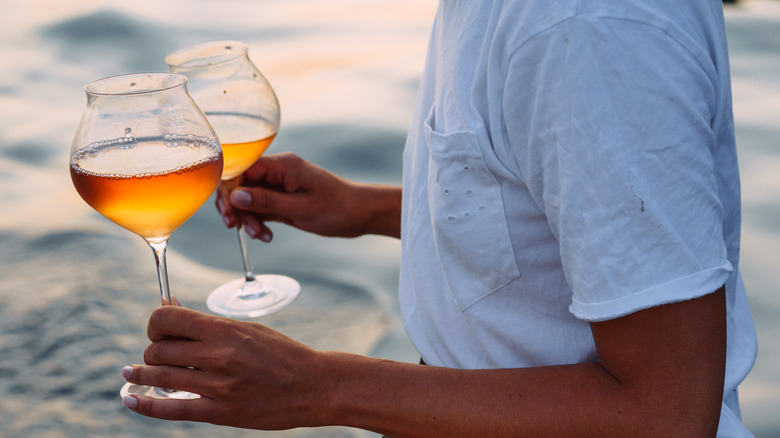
<point x="569" y="220"/>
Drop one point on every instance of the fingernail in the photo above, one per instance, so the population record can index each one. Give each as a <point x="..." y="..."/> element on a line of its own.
<point x="127" y="372"/>
<point x="221" y="206"/>
<point x="240" y="198"/>
<point x="130" y="401"/>
<point x="251" y="225"/>
<point x="226" y="220"/>
<point x="265" y="236"/>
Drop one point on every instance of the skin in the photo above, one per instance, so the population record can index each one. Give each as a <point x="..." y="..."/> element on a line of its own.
<point x="285" y="188"/>
<point x="659" y="371"/>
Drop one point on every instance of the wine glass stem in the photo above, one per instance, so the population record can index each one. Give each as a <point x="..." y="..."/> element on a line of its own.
<point x="250" y="276"/>
<point x="162" y="269"/>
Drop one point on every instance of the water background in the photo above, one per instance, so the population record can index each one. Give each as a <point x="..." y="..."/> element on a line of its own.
<point x="76" y="290"/>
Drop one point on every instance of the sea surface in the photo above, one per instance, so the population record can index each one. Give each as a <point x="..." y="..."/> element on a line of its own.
<point x="76" y="290"/>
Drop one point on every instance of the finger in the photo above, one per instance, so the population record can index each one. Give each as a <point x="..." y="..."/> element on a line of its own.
<point x="262" y="168"/>
<point x="179" y="322"/>
<point x="266" y="235"/>
<point x="201" y="409"/>
<point x="256" y="230"/>
<point x="175" y="352"/>
<point x="162" y="376"/>
<point x="174" y="301"/>
<point x="269" y="203"/>
<point x="223" y="205"/>
<point x="225" y="210"/>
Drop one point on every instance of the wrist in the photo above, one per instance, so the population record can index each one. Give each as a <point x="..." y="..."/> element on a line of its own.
<point x="333" y="400"/>
<point x="365" y="392"/>
<point x="379" y="209"/>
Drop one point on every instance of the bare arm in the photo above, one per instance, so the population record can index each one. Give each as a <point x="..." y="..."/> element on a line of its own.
<point x="286" y="188"/>
<point x="660" y="373"/>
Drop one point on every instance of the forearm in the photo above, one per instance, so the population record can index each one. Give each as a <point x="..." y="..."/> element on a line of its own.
<point x="407" y="400"/>
<point x="659" y="372"/>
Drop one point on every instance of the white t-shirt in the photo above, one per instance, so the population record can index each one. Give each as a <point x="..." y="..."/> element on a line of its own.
<point x="569" y="161"/>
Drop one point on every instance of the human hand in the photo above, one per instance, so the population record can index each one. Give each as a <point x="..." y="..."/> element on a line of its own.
<point x="286" y="188"/>
<point x="247" y="375"/>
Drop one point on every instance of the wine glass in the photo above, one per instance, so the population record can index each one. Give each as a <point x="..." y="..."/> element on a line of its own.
<point x="145" y="157"/>
<point x="243" y="109"/>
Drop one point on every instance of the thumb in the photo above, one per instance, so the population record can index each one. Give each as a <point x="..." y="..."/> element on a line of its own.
<point x="264" y="202"/>
<point x="241" y="198"/>
<point x="174" y="301"/>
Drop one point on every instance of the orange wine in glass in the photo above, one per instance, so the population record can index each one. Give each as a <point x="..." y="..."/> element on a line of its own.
<point x="145" y="157"/>
<point x="244" y="111"/>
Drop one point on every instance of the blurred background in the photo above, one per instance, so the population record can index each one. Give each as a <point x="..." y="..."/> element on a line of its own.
<point x="76" y="290"/>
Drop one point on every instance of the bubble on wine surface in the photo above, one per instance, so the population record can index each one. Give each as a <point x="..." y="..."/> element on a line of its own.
<point x="147" y="156"/>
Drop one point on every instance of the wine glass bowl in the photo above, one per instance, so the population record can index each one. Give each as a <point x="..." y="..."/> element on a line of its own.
<point x="145" y="157"/>
<point x="244" y="111"/>
<point x="237" y="99"/>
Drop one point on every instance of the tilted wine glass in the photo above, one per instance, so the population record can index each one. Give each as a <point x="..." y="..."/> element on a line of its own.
<point x="244" y="111"/>
<point x="145" y="157"/>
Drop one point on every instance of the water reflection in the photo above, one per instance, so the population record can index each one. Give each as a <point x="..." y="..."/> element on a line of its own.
<point x="75" y="291"/>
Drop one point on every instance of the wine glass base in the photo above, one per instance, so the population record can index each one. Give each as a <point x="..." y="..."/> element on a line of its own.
<point x="160" y="393"/>
<point x="237" y="299"/>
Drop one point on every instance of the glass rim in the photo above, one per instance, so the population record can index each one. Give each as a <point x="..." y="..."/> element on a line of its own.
<point x="211" y="53"/>
<point x="111" y="85"/>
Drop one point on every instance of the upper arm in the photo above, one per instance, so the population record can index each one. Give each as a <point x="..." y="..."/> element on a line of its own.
<point x="669" y="361"/>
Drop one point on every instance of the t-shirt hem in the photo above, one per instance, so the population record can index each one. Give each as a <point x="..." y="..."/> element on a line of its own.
<point x="685" y="288"/>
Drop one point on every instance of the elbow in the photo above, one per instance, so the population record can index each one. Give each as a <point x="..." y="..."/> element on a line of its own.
<point x="686" y="416"/>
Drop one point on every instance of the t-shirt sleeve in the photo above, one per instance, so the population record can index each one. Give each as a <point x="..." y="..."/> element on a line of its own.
<point x="610" y="123"/>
